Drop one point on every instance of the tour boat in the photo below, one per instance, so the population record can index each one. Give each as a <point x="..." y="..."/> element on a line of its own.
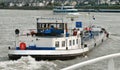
<point x="64" y="9"/>
<point x="54" y="41"/>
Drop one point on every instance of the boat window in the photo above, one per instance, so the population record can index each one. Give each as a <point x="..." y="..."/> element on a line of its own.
<point x="76" y="41"/>
<point x="73" y="42"/>
<point x="57" y="43"/>
<point x="48" y="26"/>
<point x="70" y="42"/>
<point x="57" y="26"/>
<point x="61" y="26"/>
<point x="39" y="25"/>
<point x="54" y="25"/>
<point x="63" y="43"/>
<point x="68" y="8"/>
<point x="42" y="25"/>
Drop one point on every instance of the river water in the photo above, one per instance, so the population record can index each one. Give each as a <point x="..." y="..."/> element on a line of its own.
<point x="26" y="19"/>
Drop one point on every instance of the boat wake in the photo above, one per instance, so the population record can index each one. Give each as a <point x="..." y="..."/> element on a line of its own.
<point x="118" y="35"/>
<point x="6" y="42"/>
<point x="115" y="36"/>
<point x="27" y="63"/>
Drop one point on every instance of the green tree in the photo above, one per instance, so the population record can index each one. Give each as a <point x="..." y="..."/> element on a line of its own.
<point x="2" y="4"/>
<point x="57" y="4"/>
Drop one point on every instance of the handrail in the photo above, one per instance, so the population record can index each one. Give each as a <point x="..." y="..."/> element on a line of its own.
<point x="88" y="62"/>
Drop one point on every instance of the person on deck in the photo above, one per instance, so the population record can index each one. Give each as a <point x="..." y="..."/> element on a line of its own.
<point x="74" y="32"/>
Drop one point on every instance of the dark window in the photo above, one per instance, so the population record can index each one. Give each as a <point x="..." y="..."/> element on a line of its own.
<point x="63" y="43"/>
<point x="73" y="42"/>
<point x="76" y="41"/>
<point x="70" y="42"/>
<point x="57" y="43"/>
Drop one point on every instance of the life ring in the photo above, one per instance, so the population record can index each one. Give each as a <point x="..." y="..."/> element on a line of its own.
<point x="22" y="46"/>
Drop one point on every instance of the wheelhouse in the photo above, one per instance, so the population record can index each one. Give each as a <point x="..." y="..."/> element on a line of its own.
<point x="50" y="29"/>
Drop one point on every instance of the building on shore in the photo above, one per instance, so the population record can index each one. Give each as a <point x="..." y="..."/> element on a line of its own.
<point x="40" y="3"/>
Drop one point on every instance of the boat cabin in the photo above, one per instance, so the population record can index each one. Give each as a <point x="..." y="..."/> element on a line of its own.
<point x="64" y="9"/>
<point x="55" y="34"/>
<point x="50" y="29"/>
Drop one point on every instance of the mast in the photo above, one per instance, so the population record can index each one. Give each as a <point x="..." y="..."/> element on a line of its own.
<point x="72" y="16"/>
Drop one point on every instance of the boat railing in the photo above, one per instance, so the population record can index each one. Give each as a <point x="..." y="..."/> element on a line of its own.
<point x="110" y="64"/>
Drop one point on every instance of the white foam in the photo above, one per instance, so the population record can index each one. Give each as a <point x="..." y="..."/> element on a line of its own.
<point x="27" y="63"/>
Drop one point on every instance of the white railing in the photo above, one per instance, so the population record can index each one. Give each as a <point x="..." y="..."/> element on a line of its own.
<point x="88" y="62"/>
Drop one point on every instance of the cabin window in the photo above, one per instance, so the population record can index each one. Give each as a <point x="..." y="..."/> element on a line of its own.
<point x="54" y="25"/>
<point x="61" y="26"/>
<point x="70" y="42"/>
<point x="57" y="43"/>
<point x="48" y="25"/>
<point x="63" y="43"/>
<point x="73" y="42"/>
<point x="76" y="41"/>
<point x="42" y="25"/>
<point x="39" y="25"/>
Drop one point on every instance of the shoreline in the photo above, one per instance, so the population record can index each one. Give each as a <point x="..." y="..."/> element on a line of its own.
<point x="99" y="10"/>
<point x="49" y="8"/>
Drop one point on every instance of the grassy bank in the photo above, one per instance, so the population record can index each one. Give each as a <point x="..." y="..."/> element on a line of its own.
<point x="28" y="8"/>
<point x="99" y="7"/>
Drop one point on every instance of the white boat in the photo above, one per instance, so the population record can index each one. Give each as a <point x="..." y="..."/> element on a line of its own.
<point x="64" y="9"/>
<point x="53" y="40"/>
